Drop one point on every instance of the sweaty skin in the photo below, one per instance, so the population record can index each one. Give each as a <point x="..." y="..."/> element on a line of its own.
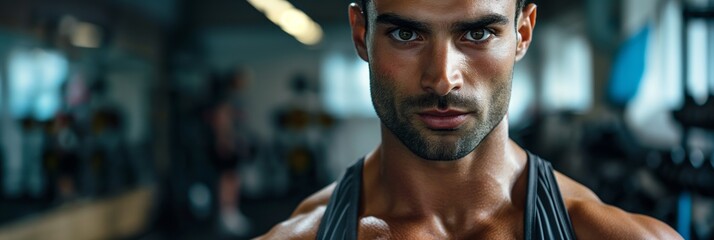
<point x="446" y="168"/>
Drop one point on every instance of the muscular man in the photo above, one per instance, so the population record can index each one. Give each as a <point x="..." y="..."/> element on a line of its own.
<point x="440" y="77"/>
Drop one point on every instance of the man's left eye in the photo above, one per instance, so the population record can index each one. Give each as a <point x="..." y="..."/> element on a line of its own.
<point x="404" y="35"/>
<point x="477" y="35"/>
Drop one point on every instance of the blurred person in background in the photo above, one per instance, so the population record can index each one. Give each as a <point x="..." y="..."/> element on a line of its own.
<point x="229" y="146"/>
<point x="61" y="158"/>
<point x="440" y="77"/>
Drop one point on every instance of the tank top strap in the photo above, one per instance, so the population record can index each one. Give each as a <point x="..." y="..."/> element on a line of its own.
<point x="340" y="218"/>
<point x="546" y="216"/>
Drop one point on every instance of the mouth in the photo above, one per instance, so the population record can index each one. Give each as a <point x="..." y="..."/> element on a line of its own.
<point x="443" y="120"/>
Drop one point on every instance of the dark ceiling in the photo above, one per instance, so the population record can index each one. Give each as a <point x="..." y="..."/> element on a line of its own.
<point x="194" y="13"/>
<point x="239" y="12"/>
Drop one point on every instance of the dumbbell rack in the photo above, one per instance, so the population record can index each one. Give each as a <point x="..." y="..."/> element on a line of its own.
<point x="688" y="168"/>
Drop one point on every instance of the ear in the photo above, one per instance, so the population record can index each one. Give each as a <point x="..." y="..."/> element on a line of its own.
<point x="526" y="23"/>
<point x="359" y="30"/>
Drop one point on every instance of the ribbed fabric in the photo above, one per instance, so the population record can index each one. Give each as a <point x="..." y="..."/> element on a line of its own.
<point x="545" y="217"/>
<point x="341" y="216"/>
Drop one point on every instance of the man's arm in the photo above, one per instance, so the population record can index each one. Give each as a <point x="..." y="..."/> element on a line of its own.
<point x="600" y="221"/>
<point x="305" y="220"/>
<point x="593" y="219"/>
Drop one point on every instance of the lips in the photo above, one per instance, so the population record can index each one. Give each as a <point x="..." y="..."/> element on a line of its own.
<point x="444" y="119"/>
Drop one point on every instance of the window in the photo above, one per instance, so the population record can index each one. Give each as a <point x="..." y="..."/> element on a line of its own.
<point x="697" y="50"/>
<point x="35" y="78"/>
<point x="567" y="71"/>
<point x="345" y="81"/>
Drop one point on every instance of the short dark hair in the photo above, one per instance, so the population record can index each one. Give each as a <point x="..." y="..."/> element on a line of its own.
<point x="519" y="6"/>
<point x="363" y="5"/>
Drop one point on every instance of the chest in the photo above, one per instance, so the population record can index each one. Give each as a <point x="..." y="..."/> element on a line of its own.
<point x="496" y="228"/>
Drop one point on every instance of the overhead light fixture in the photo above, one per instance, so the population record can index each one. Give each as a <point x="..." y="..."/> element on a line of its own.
<point x="290" y="19"/>
<point x="80" y="34"/>
<point x="86" y="35"/>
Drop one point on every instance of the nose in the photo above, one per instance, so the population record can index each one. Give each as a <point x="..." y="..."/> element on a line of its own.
<point x="442" y="69"/>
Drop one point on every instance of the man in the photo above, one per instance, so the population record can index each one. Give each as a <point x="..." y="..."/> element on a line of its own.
<point x="440" y="75"/>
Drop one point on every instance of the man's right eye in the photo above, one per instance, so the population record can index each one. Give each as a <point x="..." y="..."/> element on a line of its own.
<point x="403" y="35"/>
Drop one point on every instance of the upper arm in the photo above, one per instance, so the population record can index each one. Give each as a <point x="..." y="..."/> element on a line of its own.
<point x="300" y="226"/>
<point x="593" y="219"/>
<point x="305" y="220"/>
<point x="570" y="189"/>
<point x="319" y="198"/>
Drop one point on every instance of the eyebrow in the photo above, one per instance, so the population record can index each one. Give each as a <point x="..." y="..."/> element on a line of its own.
<point x="480" y="22"/>
<point x="396" y="20"/>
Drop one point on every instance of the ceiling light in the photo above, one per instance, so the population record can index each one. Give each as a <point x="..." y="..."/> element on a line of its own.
<point x="86" y="35"/>
<point x="290" y="19"/>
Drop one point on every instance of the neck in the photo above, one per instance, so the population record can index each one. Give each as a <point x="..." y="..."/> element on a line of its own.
<point x="474" y="187"/>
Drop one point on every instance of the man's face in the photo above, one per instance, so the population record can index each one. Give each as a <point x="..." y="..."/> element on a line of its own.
<point x="440" y="70"/>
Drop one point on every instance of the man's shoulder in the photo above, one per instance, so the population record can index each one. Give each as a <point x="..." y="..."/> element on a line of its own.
<point x="593" y="219"/>
<point x="305" y="220"/>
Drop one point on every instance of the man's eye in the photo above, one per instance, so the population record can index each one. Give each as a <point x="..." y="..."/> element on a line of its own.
<point x="478" y="35"/>
<point x="403" y="35"/>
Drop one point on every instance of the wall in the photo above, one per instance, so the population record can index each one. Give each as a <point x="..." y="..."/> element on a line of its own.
<point x="273" y="59"/>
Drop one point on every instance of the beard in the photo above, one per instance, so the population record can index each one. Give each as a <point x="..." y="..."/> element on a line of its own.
<point x="397" y="113"/>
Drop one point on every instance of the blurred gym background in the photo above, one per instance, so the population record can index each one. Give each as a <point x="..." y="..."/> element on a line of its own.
<point x="212" y="119"/>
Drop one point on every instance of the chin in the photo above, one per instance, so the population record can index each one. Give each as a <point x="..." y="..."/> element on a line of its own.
<point x="441" y="149"/>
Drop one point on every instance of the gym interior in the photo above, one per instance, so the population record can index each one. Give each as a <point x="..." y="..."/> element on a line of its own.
<point x="213" y="119"/>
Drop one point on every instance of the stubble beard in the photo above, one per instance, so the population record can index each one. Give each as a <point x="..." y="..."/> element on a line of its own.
<point x="430" y="144"/>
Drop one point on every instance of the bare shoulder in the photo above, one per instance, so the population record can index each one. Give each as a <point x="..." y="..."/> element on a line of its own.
<point x="593" y="219"/>
<point x="305" y="220"/>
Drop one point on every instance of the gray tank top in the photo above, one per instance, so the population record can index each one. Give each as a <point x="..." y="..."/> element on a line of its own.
<point x="545" y="213"/>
